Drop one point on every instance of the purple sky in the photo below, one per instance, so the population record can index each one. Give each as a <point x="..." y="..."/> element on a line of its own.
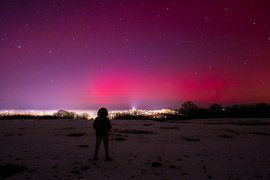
<point x="120" y="54"/>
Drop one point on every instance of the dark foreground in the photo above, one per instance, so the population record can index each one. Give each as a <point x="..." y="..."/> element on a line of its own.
<point x="141" y="149"/>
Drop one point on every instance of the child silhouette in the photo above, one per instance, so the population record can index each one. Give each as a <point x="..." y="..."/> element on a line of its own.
<point x="102" y="125"/>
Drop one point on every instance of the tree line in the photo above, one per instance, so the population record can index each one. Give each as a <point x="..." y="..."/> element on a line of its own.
<point x="191" y="110"/>
<point x="61" y="114"/>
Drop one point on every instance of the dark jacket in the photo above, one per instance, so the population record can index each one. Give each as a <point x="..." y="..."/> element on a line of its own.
<point x="102" y="125"/>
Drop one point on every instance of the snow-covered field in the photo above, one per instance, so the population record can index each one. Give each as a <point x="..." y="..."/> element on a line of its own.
<point x="141" y="149"/>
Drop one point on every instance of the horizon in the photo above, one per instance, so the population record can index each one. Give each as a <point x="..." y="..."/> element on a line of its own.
<point x="112" y="108"/>
<point x="145" y="54"/>
<point x="94" y="111"/>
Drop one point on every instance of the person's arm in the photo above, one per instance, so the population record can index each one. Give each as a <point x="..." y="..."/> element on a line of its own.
<point x="109" y="125"/>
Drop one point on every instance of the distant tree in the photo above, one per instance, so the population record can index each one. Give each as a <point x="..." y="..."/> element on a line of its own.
<point x="188" y="109"/>
<point x="85" y="116"/>
<point x="65" y="114"/>
<point x="234" y="111"/>
<point x="60" y="113"/>
<point x="262" y="110"/>
<point x="71" y="115"/>
<point x="215" y="108"/>
<point x="82" y="116"/>
<point x="201" y="113"/>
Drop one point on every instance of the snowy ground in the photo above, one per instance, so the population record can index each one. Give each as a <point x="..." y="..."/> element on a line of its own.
<point x="141" y="149"/>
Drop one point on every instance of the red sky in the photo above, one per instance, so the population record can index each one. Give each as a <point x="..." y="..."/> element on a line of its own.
<point x="120" y="54"/>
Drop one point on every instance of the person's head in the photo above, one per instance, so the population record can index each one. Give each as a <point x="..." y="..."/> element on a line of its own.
<point x="102" y="112"/>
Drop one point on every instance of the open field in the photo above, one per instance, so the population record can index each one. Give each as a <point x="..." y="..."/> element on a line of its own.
<point x="141" y="149"/>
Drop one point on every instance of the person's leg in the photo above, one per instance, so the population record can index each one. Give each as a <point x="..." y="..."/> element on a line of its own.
<point x="98" y="142"/>
<point x="106" y="146"/>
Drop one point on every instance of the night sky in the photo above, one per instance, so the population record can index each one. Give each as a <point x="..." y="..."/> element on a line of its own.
<point x="119" y="54"/>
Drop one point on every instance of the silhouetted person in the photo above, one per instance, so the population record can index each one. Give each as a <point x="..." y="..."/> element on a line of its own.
<point x="102" y="125"/>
